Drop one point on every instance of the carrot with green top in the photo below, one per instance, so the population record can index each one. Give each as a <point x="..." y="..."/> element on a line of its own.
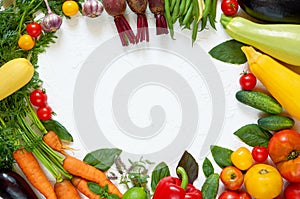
<point x="52" y="140"/>
<point x="79" y="168"/>
<point x="82" y="186"/>
<point x="34" y="173"/>
<point x="66" y="190"/>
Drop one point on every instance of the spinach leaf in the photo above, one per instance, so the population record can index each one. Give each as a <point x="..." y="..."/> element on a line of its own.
<point x="207" y="167"/>
<point x="221" y="155"/>
<point x="253" y="135"/>
<point x="59" y="129"/>
<point x="159" y="172"/>
<point x="229" y="52"/>
<point x="102" y="159"/>
<point x="190" y="165"/>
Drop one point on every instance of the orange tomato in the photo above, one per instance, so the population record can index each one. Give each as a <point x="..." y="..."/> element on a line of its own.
<point x="26" y="42"/>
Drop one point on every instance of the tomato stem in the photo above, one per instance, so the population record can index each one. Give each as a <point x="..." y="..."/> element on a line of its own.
<point x="293" y="155"/>
<point x="263" y="171"/>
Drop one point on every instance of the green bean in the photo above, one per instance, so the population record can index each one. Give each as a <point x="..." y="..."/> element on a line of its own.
<point x="195" y="31"/>
<point x="182" y="7"/>
<point x="175" y="13"/>
<point x="203" y="23"/>
<point x="207" y="8"/>
<point x="168" y="18"/>
<point x="187" y="5"/>
<point x="172" y="5"/>
<point x="213" y="13"/>
<point x="188" y="15"/>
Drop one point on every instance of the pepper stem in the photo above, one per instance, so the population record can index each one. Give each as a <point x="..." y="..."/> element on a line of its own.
<point x="184" y="177"/>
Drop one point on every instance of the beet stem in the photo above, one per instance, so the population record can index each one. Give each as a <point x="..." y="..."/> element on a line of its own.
<point x="161" y="24"/>
<point x="124" y="30"/>
<point x="142" y="28"/>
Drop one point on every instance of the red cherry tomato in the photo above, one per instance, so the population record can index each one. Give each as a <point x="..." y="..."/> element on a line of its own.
<point x="38" y="98"/>
<point x="229" y="7"/>
<point x="44" y="113"/>
<point x="234" y="195"/>
<point x="292" y="191"/>
<point x="232" y="177"/>
<point x="260" y="153"/>
<point x="247" y="81"/>
<point x="34" y="29"/>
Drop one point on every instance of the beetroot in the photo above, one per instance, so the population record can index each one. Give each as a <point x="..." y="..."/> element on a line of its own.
<point x="139" y="7"/>
<point x="157" y="8"/>
<point x="116" y="9"/>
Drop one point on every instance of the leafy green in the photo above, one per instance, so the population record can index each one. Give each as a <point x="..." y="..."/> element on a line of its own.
<point x="102" y="159"/>
<point x="102" y="191"/>
<point x="207" y="167"/>
<point x="59" y="129"/>
<point x="159" y="172"/>
<point x="190" y="165"/>
<point x="229" y="52"/>
<point x="210" y="186"/>
<point x="221" y="155"/>
<point x="253" y="135"/>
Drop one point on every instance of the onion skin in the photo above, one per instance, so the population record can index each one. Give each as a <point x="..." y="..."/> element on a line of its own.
<point x="92" y="8"/>
<point x="51" y="22"/>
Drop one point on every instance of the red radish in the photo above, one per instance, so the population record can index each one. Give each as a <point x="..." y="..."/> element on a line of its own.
<point x="157" y="7"/>
<point x="116" y="9"/>
<point x="139" y="7"/>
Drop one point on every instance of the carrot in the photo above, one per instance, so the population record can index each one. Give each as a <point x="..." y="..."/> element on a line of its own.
<point x="79" y="168"/>
<point x="34" y="173"/>
<point x="65" y="190"/>
<point x="51" y="139"/>
<point x="82" y="186"/>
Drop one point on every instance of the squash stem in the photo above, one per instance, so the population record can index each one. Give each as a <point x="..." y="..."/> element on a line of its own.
<point x="225" y="20"/>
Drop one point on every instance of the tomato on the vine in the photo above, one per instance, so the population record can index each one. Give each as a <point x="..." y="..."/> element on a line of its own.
<point x="247" y="81"/>
<point x="229" y="7"/>
<point x="34" y="29"/>
<point x="260" y="153"/>
<point x="292" y="191"/>
<point x="44" y="112"/>
<point x="227" y="194"/>
<point x="38" y="98"/>
<point x="26" y="42"/>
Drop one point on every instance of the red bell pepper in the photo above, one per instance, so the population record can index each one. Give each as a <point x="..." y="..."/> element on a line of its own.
<point x="174" y="188"/>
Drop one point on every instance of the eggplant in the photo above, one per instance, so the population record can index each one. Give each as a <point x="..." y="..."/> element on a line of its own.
<point x="14" y="186"/>
<point x="273" y="11"/>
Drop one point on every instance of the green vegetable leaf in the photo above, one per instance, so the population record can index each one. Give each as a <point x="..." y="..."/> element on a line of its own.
<point x="190" y="165"/>
<point x="253" y="135"/>
<point x="229" y="52"/>
<point x="159" y="172"/>
<point x="207" y="167"/>
<point x="210" y="186"/>
<point x="102" y="191"/>
<point x="59" y="129"/>
<point x="102" y="159"/>
<point x="221" y="155"/>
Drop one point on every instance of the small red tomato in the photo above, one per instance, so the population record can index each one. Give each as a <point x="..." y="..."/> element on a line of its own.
<point x="38" y="98"/>
<point x="44" y="113"/>
<point x="232" y="177"/>
<point x="260" y="153"/>
<point x="292" y="191"/>
<point x="34" y="29"/>
<point x="234" y="195"/>
<point x="247" y="81"/>
<point x="229" y="7"/>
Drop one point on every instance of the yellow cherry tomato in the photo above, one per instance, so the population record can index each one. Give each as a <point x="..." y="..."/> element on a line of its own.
<point x="26" y="42"/>
<point x="70" y="8"/>
<point x="242" y="158"/>
<point x="263" y="181"/>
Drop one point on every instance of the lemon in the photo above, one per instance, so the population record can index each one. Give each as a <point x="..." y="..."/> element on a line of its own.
<point x="135" y="193"/>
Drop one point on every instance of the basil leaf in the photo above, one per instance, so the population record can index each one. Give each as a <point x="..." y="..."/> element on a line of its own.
<point x="159" y="172"/>
<point x="97" y="189"/>
<point x="190" y="165"/>
<point x="229" y="52"/>
<point x="221" y="155"/>
<point x="210" y="186"/>
<point x="253" y="135"/>
<point x="102" y="159"/>
<point x="207" y="167"/>
<point x="58" y="128"/>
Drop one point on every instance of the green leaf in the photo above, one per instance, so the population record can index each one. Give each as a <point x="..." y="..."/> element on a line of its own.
<point x="221" y="155"/>
<point x="210" y="186"/>
<point x="159" y="172"/>
<point x="59" y="129"/>
<point x="190" y="165"/>
<point x="229" y="52"/>
<point x="95" y="188"/>
<point x="207" y="167"/>
<point x="253" y="135"/>
<point x="102" y="159"/>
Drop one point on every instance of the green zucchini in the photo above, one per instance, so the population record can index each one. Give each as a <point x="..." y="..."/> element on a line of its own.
<point x="275" y="122"/>
<point x="259" y="100"/>
<point x="281" y="41"/>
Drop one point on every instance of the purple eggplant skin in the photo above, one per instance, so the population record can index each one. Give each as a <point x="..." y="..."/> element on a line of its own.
<point x="273" y="11"/>
<point x="14" y="186"/>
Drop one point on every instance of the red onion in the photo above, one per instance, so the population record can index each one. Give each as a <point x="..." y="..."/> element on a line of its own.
<point x="92" y="8"/>
<point x="51" y="21"/>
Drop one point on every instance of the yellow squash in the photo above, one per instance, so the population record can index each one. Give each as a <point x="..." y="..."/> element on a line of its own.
<point x="14" y="75"/>
<point x="282" y="83"/>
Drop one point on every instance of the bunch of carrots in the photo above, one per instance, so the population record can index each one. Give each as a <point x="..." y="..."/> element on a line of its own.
<point x="71" y="174"/>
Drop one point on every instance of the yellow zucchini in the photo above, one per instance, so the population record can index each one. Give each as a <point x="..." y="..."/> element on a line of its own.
<point x="282" y="83"/>
<point x="14" y="75"/>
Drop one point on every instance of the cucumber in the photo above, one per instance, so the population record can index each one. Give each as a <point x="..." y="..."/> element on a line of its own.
<point x="259" y="100"/>
<point x="275" y="122"/>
